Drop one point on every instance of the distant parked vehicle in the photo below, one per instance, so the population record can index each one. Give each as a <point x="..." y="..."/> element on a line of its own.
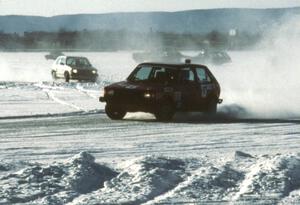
<point x="53" y="55"/>
<point x="73" y="67"/>
<point x="207" y="56"/>
<point x="216" y="57"/>
<point x="170" y="56"/>
<point x="163" y="89"/>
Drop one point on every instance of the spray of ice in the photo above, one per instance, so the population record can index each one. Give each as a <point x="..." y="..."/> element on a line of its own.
<point x="266" y="81"/>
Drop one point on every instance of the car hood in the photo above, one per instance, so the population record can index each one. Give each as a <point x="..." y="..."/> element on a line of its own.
<point x="83" y="67"/>
<point x="125" y="85"/>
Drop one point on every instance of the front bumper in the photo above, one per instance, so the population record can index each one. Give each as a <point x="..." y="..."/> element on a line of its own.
<point x="102" y="99"/>
<point x="86" y="77"/>
<point x="141" y="105"/>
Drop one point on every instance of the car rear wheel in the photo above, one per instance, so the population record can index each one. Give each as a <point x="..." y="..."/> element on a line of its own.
<point x="115" y="112"/>
<point x="211" y="107"/>
<point x="165" y="112"/>
<point x="67" y="77"/>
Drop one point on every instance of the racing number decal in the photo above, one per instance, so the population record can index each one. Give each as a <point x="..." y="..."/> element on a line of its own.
<point x="168" y="89"/>
<point x="177" y="96"/>
<point x="203" y="91"/>
<point x="178" y="99"/>
<point x="206" y="89"/>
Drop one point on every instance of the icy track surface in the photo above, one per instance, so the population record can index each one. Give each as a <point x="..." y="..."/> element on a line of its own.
<point x="58" y="147"/>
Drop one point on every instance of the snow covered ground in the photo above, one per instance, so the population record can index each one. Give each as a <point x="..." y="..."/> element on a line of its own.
<point x="58" y="146"/>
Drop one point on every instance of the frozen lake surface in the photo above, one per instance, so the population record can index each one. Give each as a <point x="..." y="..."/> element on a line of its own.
<point x="58" y="146"/>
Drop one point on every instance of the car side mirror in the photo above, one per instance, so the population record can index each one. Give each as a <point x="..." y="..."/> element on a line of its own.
<point x="61" y="63"/>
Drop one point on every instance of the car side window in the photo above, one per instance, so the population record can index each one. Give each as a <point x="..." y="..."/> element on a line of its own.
<point x="142" y="73"/>
<point x="164" y="75"/>
<point x="187" y="75"/>
<point x="71" y="61"/>
<point x="58" y="61"/>
<point x="202" y="75"/>
<point x="63" y="60"/>
<point x="159" y="74"/>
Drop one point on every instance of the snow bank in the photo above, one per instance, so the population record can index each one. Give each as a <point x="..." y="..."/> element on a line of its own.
<point x="271" y="178"/>
<point x="142" y="180"/>
<point x="54" y="184"/>
<point x="241" y="179"/>
<point x="5" y="167"/>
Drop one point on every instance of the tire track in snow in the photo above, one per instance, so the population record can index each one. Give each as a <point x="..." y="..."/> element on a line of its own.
<point x="51" y="95"/>
<point x="86" y="92"/>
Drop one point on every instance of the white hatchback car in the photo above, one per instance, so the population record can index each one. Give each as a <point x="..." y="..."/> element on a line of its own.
<point x="73" y="67"/>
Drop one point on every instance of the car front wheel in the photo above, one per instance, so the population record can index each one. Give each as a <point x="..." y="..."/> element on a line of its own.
<point x="165" y="112"/>
<point x="211" y="107"/>
<point x="67" y="77"/>
<point x="114" y="112"/>
<point x="94" y="80"/>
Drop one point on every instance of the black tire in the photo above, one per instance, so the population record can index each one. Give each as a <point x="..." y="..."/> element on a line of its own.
<point x="211" y="107"/>
<point x="53" y="74"/>
<point x="165" y="112"/>
<point x="114" y="112"/>
<point x="67" y="77"/>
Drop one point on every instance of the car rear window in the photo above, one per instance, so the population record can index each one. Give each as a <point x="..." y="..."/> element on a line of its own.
<point x="202" y="75"/>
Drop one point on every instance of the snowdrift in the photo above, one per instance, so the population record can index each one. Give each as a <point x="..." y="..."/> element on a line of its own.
<point x="241" y="179"/>
<point x="58" y="183"/>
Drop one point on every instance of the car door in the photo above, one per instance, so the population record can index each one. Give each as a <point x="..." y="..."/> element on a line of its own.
<point x="190" y="90"/>
<point x="61" y="66"/>
<point x="206" y="85"/>
<point x="55" y="66"/>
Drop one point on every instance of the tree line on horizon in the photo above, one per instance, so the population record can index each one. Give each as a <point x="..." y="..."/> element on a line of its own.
<point x="110" y="40"/>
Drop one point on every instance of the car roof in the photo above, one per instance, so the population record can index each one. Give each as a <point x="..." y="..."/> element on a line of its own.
<point x="71" y="56"/>
<point x="172" y="65"/>
<point x="76" y="57"/>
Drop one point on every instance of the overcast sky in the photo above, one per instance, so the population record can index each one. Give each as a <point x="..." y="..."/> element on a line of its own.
<point x="58" y="7"/>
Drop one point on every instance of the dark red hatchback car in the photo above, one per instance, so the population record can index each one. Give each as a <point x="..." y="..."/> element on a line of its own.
<point x="163" y="89"/>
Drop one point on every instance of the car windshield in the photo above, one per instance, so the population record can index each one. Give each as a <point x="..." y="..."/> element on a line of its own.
<point x="78" y="62"/>
<point x="141" y="74"/>
<point x="154" y="74"/>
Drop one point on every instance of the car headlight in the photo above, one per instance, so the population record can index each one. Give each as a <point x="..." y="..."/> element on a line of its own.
<point x="94" y="71"/>
<point x="74" y="71"/>
<point x="148" y="95"/>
